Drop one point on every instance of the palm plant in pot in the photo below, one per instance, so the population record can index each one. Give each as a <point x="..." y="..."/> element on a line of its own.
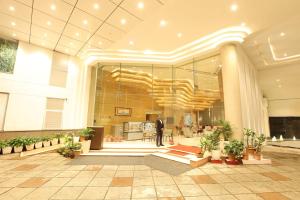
<point x="5" y="146"/>
<point x="17" y="144"/>
<point x="234" y="150"/>
<point x="60" y="137"/>
<point x="224" y="130"/>
<point x="38" y="142"/>
<point x="249" y="134"/>
<point x="85" y="137"/>
<point x="29" y="143"/>
<point x="46" y="141"/>
<point x="54" y="140"/>
<point x="258" y="146"/>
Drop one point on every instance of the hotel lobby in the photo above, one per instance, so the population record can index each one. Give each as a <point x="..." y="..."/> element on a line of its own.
<point x="150" y="99"/>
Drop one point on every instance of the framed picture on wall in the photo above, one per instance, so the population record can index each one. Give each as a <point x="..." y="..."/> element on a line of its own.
<point x="120" y="111"/>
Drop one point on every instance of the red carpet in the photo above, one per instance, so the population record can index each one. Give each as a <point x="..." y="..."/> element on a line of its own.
<point x="188" y="149"/>
<point x="178" y="153"/>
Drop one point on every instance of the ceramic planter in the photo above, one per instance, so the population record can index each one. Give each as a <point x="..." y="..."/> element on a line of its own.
<point x="46" y="143"/>
<point x="6" y="150"/>
<point x="62" y="140"/>
<point x="215" y="154"/>
<point x="86" y="146"/>
<point x="54" y="141"/>
<point x="77" y="153"/>
<point x="29" y="147"/>
<point x="206" y="154"/>
<point x="38" y="145"/>
<point x="18" y="149"/>
<point x="257" y="155"/>
<point x="231" y="157"/>
<point x="250" y="150"/>
<point x="76" y="139"/>
<point x="81" y="138"/>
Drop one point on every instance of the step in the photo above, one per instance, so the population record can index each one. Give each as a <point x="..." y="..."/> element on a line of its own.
<point x="115" y="154"/>
<point x="173" y="157"/>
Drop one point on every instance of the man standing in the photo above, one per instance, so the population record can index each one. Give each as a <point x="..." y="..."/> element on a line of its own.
<point x="159" y="131"/>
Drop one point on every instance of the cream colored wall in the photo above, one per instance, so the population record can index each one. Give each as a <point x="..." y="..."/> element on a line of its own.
<point x="280" y="86"/>
<point x="28" y="88"/>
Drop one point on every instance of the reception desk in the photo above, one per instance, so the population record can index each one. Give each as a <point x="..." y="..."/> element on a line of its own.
<point x="97" y="140"/>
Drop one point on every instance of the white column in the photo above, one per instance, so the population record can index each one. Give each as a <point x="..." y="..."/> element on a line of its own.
<point x="231" y="89"/>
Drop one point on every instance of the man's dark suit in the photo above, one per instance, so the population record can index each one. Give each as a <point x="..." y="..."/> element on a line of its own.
<point x="159" y="132"/>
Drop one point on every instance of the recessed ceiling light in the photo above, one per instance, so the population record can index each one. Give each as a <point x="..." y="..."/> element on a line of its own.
<point x="71" y="43"/>
<point x="67" y="50"/>
<point x="285" y="54"/>
<point x="53" y="7"/>
<point x="243" y="24"/>
<point x="96" y="6"/>
<point x="162" y="23"/>
<point x="234" y="7"/>
<point x="278" y="80"/>
<point x="123" y="21"/>
<point x="13" y="23"/>
<point x="11" y="8"/>
<point x="100" y="43"/>
<point x="45" y="34"/>
<point x="131" y="42"/>
<point x="179" y="35"/>
<point x="43" y="43"/>
<point x="282" y="34"/>
<point x="140" y="5"/>
<point x="49" y="23"/>
<point x="77" y="34"/>
<point x="85" y="22"/>
<point x="280" y="86"/>
<point x="14" y="35"/>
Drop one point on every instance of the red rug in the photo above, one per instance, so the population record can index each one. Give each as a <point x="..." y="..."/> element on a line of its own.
<point x="180" y="153"/>
<point x="187" y="149"/>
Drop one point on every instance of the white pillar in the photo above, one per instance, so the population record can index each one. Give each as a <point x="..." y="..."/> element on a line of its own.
<point x="231" y="89"/>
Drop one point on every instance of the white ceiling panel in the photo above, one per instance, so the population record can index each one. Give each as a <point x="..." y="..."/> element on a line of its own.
<point x="99" y="8"/>
<point x="40" y="41"/>
<point x="117" y="2"/>
<point x="84" y="21"/>
<point x="72" y="2"/>
<point x="7" y="32"/>
<point x="141" y="8"/>
<point x="15" y="24"/>
<point x="123" y="20"/>
<point x="47" y="21"/>
<point x="66" y="50"/>
<point x="15" y="9"/>
<point x="62" y="9"/>
<point x="76" y="33"/>
<point x="68" y="42"/>
<point x="100" y="42"/>
<point x="45" y="34"/>
<point x="25" y="2"/>
<point x="109" y="32"/>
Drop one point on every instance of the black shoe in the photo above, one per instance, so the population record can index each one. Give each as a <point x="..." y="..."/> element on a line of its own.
<point x="157" y="145"/>
<point x="162" y="145"/>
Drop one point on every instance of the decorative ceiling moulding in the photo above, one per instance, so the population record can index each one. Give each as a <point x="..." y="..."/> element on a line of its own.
<point x="203" y="45"/>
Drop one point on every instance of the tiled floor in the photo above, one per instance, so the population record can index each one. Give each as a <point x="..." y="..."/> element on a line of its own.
<point x="48" y="176"/>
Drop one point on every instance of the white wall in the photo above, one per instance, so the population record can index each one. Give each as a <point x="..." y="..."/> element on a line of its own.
<point x="281" y="86"/>
<point x="28" y="88"/>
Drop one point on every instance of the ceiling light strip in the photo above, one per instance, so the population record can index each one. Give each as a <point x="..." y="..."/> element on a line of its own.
<point x="276" y="58"/>
<point x="66" y="24"/>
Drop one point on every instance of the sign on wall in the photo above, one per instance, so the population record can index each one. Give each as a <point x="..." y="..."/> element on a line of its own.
<point x="8" y="51"/>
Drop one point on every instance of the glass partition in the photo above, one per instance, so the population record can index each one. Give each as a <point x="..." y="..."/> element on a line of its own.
<point x="187" y="96"/>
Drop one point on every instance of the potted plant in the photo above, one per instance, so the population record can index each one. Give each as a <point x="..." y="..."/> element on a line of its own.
<point x="234" y="150"/>
<point x="208" y="143"/>
<point x="224" y="130"/>
<point x="17" y="144"/>
<point x="5" y="146"/>
<point x="76" y="148"/>
<point x="29" y="143"/>
<point x="60" y="137"/>
<point x="250" y="135"/>
<point x="85" y="139"/>
<point x="54" y="140"/>
<point x="38" y="142"/>
<point x="258" y="146"/>
<point x="46" y="141"/>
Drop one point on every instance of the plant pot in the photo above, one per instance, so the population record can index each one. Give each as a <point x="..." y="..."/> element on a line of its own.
<point x="199" y="155"/>
<point x="6" y="150"/>
<point x="257" y="155"/>
<point x="207" y="154"/>
<point x="38" y="145"/>
<point x="54" y="141"/>
<point x="86" y="146"/>
<point x="81" y="138"/>
<point x="245" y="156"/>
<point x="18" y="149"/>
<point x="29" y="147"/>
<point x="250" y="150"/>
<point x="46" y="143"/>
<point x="76" y="139"/>
<point x="72" y="155"/>
<point x="231" y="157"/>
<point x="77" y="153"/>
<point x="62" y="140"/>
<point x="215" y="154"/>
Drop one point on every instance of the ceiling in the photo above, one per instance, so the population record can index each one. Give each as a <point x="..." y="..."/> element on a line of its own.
<point x="163" y="26"/>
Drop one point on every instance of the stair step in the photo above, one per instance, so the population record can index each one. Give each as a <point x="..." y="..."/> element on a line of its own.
<point x="173" y="157"/>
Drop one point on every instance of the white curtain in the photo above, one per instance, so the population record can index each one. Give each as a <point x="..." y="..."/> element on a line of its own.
<point x="3" y="104"/>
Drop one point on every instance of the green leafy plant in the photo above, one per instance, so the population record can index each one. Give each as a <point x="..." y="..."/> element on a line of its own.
<point x="250" y="134"/>
<point x="259" y="142"/>
<point x="45" y="138"/>
<point x="209" y="142"/>
<point x="16" y="142"/>
<point x="87" y="133"/>
<point x="235" y="148"/>
<point x="4" y="143"/>
<point x="224" y="129"/>
<point x="29" y="140"/>
<point x="59" y="135"/>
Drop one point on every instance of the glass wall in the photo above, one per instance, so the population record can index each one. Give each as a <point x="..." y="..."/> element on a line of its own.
<point x="187" y="96"/>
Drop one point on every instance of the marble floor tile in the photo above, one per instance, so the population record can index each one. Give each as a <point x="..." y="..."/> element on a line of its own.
<point x="275" y="176"/>
<point x="236" y="188"/>
<point x="191" y="190"/>
<point x="68" y="193"/>
<point x="143" y="181"/>
<point x="93" y="193"/>
<point x="214" y="189"/>
<point x="57" y="182"/>
<point x="42" y="193"/>
<point x="163" y="180"/>
<point x="118" y="193"/>
<point x="33" y="182"/>
<point x="203" y="179"/>
<point x="167" y="191"/>
<point x="248" y="197"/>
<point x="121" y="182"/>
<point x="143" y="192"/>
<point x="16" y="193"/>
<point x="273" y="196"/>
<point x="101" y="181"/>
